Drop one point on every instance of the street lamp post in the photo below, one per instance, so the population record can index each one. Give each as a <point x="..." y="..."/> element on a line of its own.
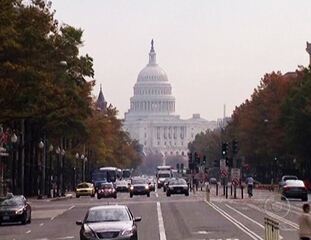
<point x="82" y="165"/>
<point x="62" y="172"/>
<point x="58" y="170"/>
<point x="84" y="168"/>
<point x="49" y="179"/>
<point x="41" y="171"/>
<point x="75" y="169"/>
<point x="14" y="167"/>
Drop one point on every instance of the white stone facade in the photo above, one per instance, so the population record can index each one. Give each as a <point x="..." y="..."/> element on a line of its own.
<point x="151" y="119"/>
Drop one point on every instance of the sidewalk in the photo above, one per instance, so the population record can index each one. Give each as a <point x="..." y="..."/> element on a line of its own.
<point x="67" y="196"/>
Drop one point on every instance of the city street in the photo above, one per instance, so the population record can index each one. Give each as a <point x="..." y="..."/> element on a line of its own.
<point x="171" y="218"/>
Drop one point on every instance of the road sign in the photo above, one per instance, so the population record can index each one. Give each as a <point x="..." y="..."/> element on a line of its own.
<point x="223" y="168"/>
<point x="222" y="163"/>
<point x="224" y="172"/>
<point x="4" y="154"/>
<point x="235" y="176"/>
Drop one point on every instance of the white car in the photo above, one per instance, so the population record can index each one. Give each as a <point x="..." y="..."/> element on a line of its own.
<point x="294" y="189"/>
<point x="122" y="185"/>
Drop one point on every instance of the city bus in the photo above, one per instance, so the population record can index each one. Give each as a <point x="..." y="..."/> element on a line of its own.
<point x="106" y="174"/>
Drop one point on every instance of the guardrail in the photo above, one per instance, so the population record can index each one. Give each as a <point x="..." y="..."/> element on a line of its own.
<point x="272" y="230"/>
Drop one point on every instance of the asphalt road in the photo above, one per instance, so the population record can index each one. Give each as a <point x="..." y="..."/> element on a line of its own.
<point x="166" y="218"/>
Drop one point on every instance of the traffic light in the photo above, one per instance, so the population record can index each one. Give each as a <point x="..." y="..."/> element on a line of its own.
<point x="235" y="147"/>
<point x="204" y="160"/>
<point x="182" y="167"/>
<point x="177" y="166"/>
<point x="224" y="149"/>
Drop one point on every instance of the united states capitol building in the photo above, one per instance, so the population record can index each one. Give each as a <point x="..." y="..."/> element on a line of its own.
<point x="151" y="118"/>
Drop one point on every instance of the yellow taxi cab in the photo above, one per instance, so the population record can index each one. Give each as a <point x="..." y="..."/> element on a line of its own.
<point x="85" y="189"/>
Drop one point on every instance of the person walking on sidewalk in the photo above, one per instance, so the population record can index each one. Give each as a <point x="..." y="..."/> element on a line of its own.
<point x="305" y="223"/>
<point x="250" y="186"/>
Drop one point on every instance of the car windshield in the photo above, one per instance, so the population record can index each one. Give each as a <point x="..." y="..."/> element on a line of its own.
<point x="106" y="185"/>
<point x="11" y="202"/>
<point x="83" y="185"/>
<point x="178" y="182"/>
<point x="290" y="178"/>
<point x="294" y="183"/>
<point x="138" y="181"/>
<point x="107" y="215"/>
<point x="164" y="175"/>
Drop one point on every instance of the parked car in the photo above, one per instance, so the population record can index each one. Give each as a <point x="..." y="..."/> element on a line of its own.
<point x="109" y="222"/>
<point x="106" y="190"/>
<point x="15" y="209"/>
<point x="122" y="185"/>
<point x="178" y="186"/>
<point x="139" y="186"/>
<point x="85" y="189"/>
<point x="294" y="189"/>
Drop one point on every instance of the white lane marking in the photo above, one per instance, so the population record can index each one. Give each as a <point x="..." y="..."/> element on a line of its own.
<point x="271" y="214"/>
<point x="248" y="218"/>
<point x="68" y="237"/>
<point x="29" y="231"/>
<point x="161" y="223"/>
<point x="71" y="207"/>
<point x="52" y="218"/>
<point x="41" y="224"/>
<point x="235" y="222"/>
<point x="157" y="195"/>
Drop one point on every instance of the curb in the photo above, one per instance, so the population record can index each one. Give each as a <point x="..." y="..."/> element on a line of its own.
<point x="68" y="196"/>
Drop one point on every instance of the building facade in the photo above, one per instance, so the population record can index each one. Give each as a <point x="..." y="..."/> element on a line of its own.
<point x="151" y="119"/>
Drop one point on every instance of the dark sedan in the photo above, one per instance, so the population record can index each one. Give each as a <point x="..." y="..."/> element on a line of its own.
<point x="15" y="209"/>
<point x="178" y="186"/>
<point x="139" y="186"/>
<point x="109" y="222"/>
<point x="106" y="190"/>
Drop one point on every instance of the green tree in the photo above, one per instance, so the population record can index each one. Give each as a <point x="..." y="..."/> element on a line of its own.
<point x="296" y="120"/>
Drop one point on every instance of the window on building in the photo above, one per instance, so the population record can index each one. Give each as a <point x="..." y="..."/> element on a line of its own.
<point x="158" y="132"/>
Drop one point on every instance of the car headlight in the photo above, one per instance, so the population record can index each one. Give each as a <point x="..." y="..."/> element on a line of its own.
<point x="132" y="188"/>
<point x="19" y="211"/>
<point x="146" y="187"/>
<point x="88" y="233"/>
<point x="128" y="232"/>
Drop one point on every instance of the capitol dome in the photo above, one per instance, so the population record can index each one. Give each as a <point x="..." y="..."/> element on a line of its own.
<point x="152" y="91"/>
<point x="152" y="72"/>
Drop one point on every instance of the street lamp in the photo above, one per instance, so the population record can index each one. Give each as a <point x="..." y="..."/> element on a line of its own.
<point x="75" y="169"/>
<point x="49" y="179"/>
<point x="82" y="171"/>
<point x="13" y="139"/>
<point x="41" y="175"/>
<point x="62" y="172"/>
<point x="84" y="168"/>
<point x="58" y="169"/>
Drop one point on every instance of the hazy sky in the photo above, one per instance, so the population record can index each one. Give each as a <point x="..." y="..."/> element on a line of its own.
<point x="213" y="51"/>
